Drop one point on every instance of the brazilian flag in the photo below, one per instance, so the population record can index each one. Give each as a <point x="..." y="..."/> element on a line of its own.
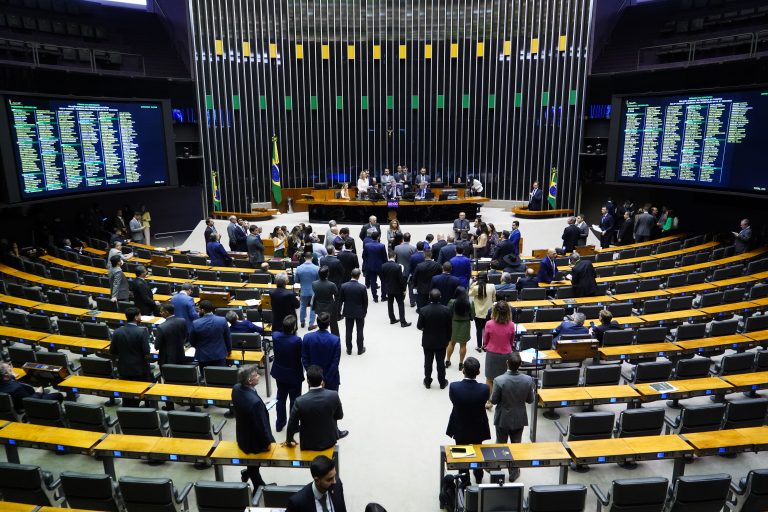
<point x="277" y="191"/>
<point x="216" y="193"/>
<point x="552" y="198"/>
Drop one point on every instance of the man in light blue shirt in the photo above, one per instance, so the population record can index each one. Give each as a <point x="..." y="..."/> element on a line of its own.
<point x="305" y="274"/>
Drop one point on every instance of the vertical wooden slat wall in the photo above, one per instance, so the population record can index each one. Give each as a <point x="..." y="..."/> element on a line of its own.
<point x="489" y="88"/>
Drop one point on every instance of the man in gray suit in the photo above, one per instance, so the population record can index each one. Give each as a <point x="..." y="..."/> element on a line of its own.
<point x="743" y="237"/>
<point x="644" y="226"/>
<point x="511" y="391"/>
<point x="255" y="246"/>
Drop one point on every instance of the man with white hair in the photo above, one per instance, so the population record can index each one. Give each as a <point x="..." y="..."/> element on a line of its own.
<point x="236" y="235"/>
<point x="372" y="224"/>
<point x="567" y="327"/>
<point x="329" y="234"/>
<point x="548" y="267"/>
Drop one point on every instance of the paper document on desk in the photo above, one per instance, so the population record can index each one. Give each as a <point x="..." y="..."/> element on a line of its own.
<point x="252" y="302"/>
<point x="520" y="328"/>
<point x="463" y="452"/>
<point x="663" y="387"/>
<point x="528" y="355"/>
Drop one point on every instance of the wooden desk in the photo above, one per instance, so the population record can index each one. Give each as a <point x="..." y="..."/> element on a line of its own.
<point x="760" y="336"/>
<point x="522" y="455"/>
<point x="190" y="395"/>
<point x="9" y="506"/>
<point x="121" y="446"/>
<point x="691" y="288"/>
<point x="747" y="381"/>
<point x="618" y="394"/>
<point x="62" y="311"/>
<point x="627" y="352"/>
<point x="18" y="301"/>
<point x="75" y="344"/>
<point x="686" y="388"/>
<point x="639" y="296"/>
<point x="672" y="316"/>
<point x="625" y="321"/>
<point x="105" y="387"/>
<point x="581" y="301"/>
<point x="117" y="318"/>
<point x="227" y="453"/>
<point x="563" y="397"/>
<point x="529" y="303"/>
<point x="757" y="435"/>
<point x="21" y="335"/>
<point x="734" y="307"/>
<point x="719" y="442"/>
<point x="714" y="344"/>
<point x="63" y="440"/>
<point x="600" y="451"/>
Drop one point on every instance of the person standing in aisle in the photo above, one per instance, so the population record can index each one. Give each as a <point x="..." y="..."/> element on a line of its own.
<point x="483" y="295"/>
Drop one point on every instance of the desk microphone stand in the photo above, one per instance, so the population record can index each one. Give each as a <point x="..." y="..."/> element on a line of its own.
<point x="535" y="418"/>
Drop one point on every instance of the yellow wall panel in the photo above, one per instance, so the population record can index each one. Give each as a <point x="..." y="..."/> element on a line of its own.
<point x="272" y="51"/>
<point x="535" y="45"/>
<point x="351" y="52"/>
<point x="325" y="52"/>
<point x="563" y="44"/>
<point x="507" y="48"/>
<point x="427" y="51"/>
<point x="480" y="49"/>
<point x="376" y="52"/>
<point x="454" y="50"/>
<point x="299" y="51"/>
<point x="403" y="52"/>
<point x="219" y="45"/>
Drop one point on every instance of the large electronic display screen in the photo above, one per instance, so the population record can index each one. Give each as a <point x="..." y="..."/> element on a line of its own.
<point x="65" y="146"/>
<point x="713" y="140"/>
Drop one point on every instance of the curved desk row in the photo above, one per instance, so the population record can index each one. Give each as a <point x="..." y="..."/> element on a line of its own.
<point x="414" y="211"/>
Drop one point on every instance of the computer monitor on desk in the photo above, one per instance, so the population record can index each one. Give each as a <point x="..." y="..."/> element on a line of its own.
<point x="449" y="193"/>
<point x="321" y="185"/>
<point x="500" y="498"/>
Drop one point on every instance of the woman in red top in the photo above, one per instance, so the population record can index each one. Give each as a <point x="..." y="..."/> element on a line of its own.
<point x="498" y="341"/>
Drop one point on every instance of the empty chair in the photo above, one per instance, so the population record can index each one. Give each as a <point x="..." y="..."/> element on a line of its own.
<point x="711" y="299"/>
<point x="602" y="375"/>
<point x="197" y="260"/>
<point x="640" y="422"/>
<point x="590" y="312"/>
<point x="70" y="327"/>
<point x="702" y="257"/>
<point x="756" y="323"/>
<point x="651" y="334"/>
<point x="33" y="293"/>
<point x="222" y="496"/>
<point x="749" y="412"/>
<point x="625" y="287"/>
<point x="654" y="306"/>
<point x="71" y="276"/>
<point x="733" y="295"/>
<point x="40" y="323"/>
<point x="647" y="285"/>
<point x="180" y="374"/>
<point x="506" y="295"/>
<point x="633" y="494"/>
<point x="761" y="361"/>
<point x="276" y="495"/>
<point x="651" y="371"/>
<point x="696" y="418"/>
<point x="550" y="498"/>
<point x="720" y="274"/>
<point x="690" y="332"/>
<point x="605" y="271"/>
<point x="560" y="377"/>
<point x="524" y="315"/>
<point x="179" y="273"/>
<point x="105" y="304"/>
<point x="57" y="359"/>
<point x="90" y="491"/>
<point x="680" y="303"/>
<point x="604" y="256"/>
<point x="97" y="330"/>
<point x="624" y="270"/>
<point x="692" y="368"/>
<point x="619" y="309"/>
<point x="550" y="315"/>
<point x="758" y="291"/>
<point x="89" y="417"/>
<point x="247" y="294"/>
<point x="751" y="492"/>
<point x="78" y="300"/>
<point x="626" y="254"/>
<point x="230" y="277"/>
<point x="649" y="266"/>
<point x="688" y="259"/>
<point x="93" y="366"/>
<point x="140" y="421"/>
<point x="155" y="494"/>
<point x="15" y="318"/>
<point x="723" y="328"/>
<point x="20" y="354"/>
<point x="735" y="270"/>
<point x="544" y="341"/>
<point x="696" y="277"/>
<point x="564" y="292"/>
<point x="585" y="426"/>
<point x="41" y="411"/>
<point x="615" y="338"/>
<point x="24" y="483"/>
<point x="207" y="275"/>
<point x="733" y="364"/>
<point x="701" y="493"/>
<point x="220" y="376"/>
<point x="642" y="252"/>
<point x="533" y="294"/>
<point x="8" y="410"/>
<point x="195" y="425"/>
<point x="260" y="278"/>
<point x="676" y="280"/>
<point x="15" y="289"/>
<point x="123" y="305"/>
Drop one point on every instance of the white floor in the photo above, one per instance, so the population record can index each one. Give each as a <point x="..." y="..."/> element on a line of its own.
<point x="396" y="425"/>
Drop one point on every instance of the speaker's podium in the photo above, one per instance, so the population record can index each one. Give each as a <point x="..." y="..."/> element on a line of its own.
<point x="577" y="350"/>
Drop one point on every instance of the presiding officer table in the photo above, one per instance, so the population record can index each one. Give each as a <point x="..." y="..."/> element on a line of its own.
<point x="415" y="211"/>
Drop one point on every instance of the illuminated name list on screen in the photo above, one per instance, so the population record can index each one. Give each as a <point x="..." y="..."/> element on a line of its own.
<point x="712" y="141"/>
<point x="77" y="146"/>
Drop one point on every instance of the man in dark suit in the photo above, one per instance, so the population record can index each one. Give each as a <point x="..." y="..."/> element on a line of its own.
<point x="607" y="223"/>
<point x="314" y="415"/>
<point x="284" y="300"/>
<point x="583" y="277"/>
<point x="210" y="228"/>
<point x="210" y="336"/>
<point x="372" y="224"/>
<point x="571" y="235"/>
<point x="568" y="327"/>
<point x="142" y="292"/>
<point x="535" y="198"/>
<point x="252" y="430"/>
<point x="435" y="324"/>
<point x="354" y="300"/>
<point x="324" y="488"/>
<point x="445" y="283"/>
<point x="344" y="235"/>
<point x="335" y="273"/>
<point x="237" y="235"/>
<point x="287" y="369"/>
<point x="468" y="423"/>
<point x="19" y="391"/>
<point x="511" y="391"/>
<point x="460" y="226"/>
<point x="547" y="267"/>
<point x="255" y="246"/>
<point x="437" y="246"/>
<point x="448" y="251"/>
<point x="374" y="256"/>
<point x="170" y="337"/>
<point x="323" y="349"/>
<point x="348" y="259"/>
<point x="644" y="226"/>
<point x="461" y="267"/>
<point x="184" y="305"/>
<point x="514" y="237"/>
<point x="625" y="231"/>
<point x="415" y="259"/>
<point x="422" y="279"/>
<point x="503" y="248"/>
<point x="607" y="323"/>
<point x="217" y="253"/>
<point x="529" y="281"/>
<point x="130" y="343"/>
<point x="743" y="238"/>
<point x="325" y="297"/>
<point x="393" y="283"/>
